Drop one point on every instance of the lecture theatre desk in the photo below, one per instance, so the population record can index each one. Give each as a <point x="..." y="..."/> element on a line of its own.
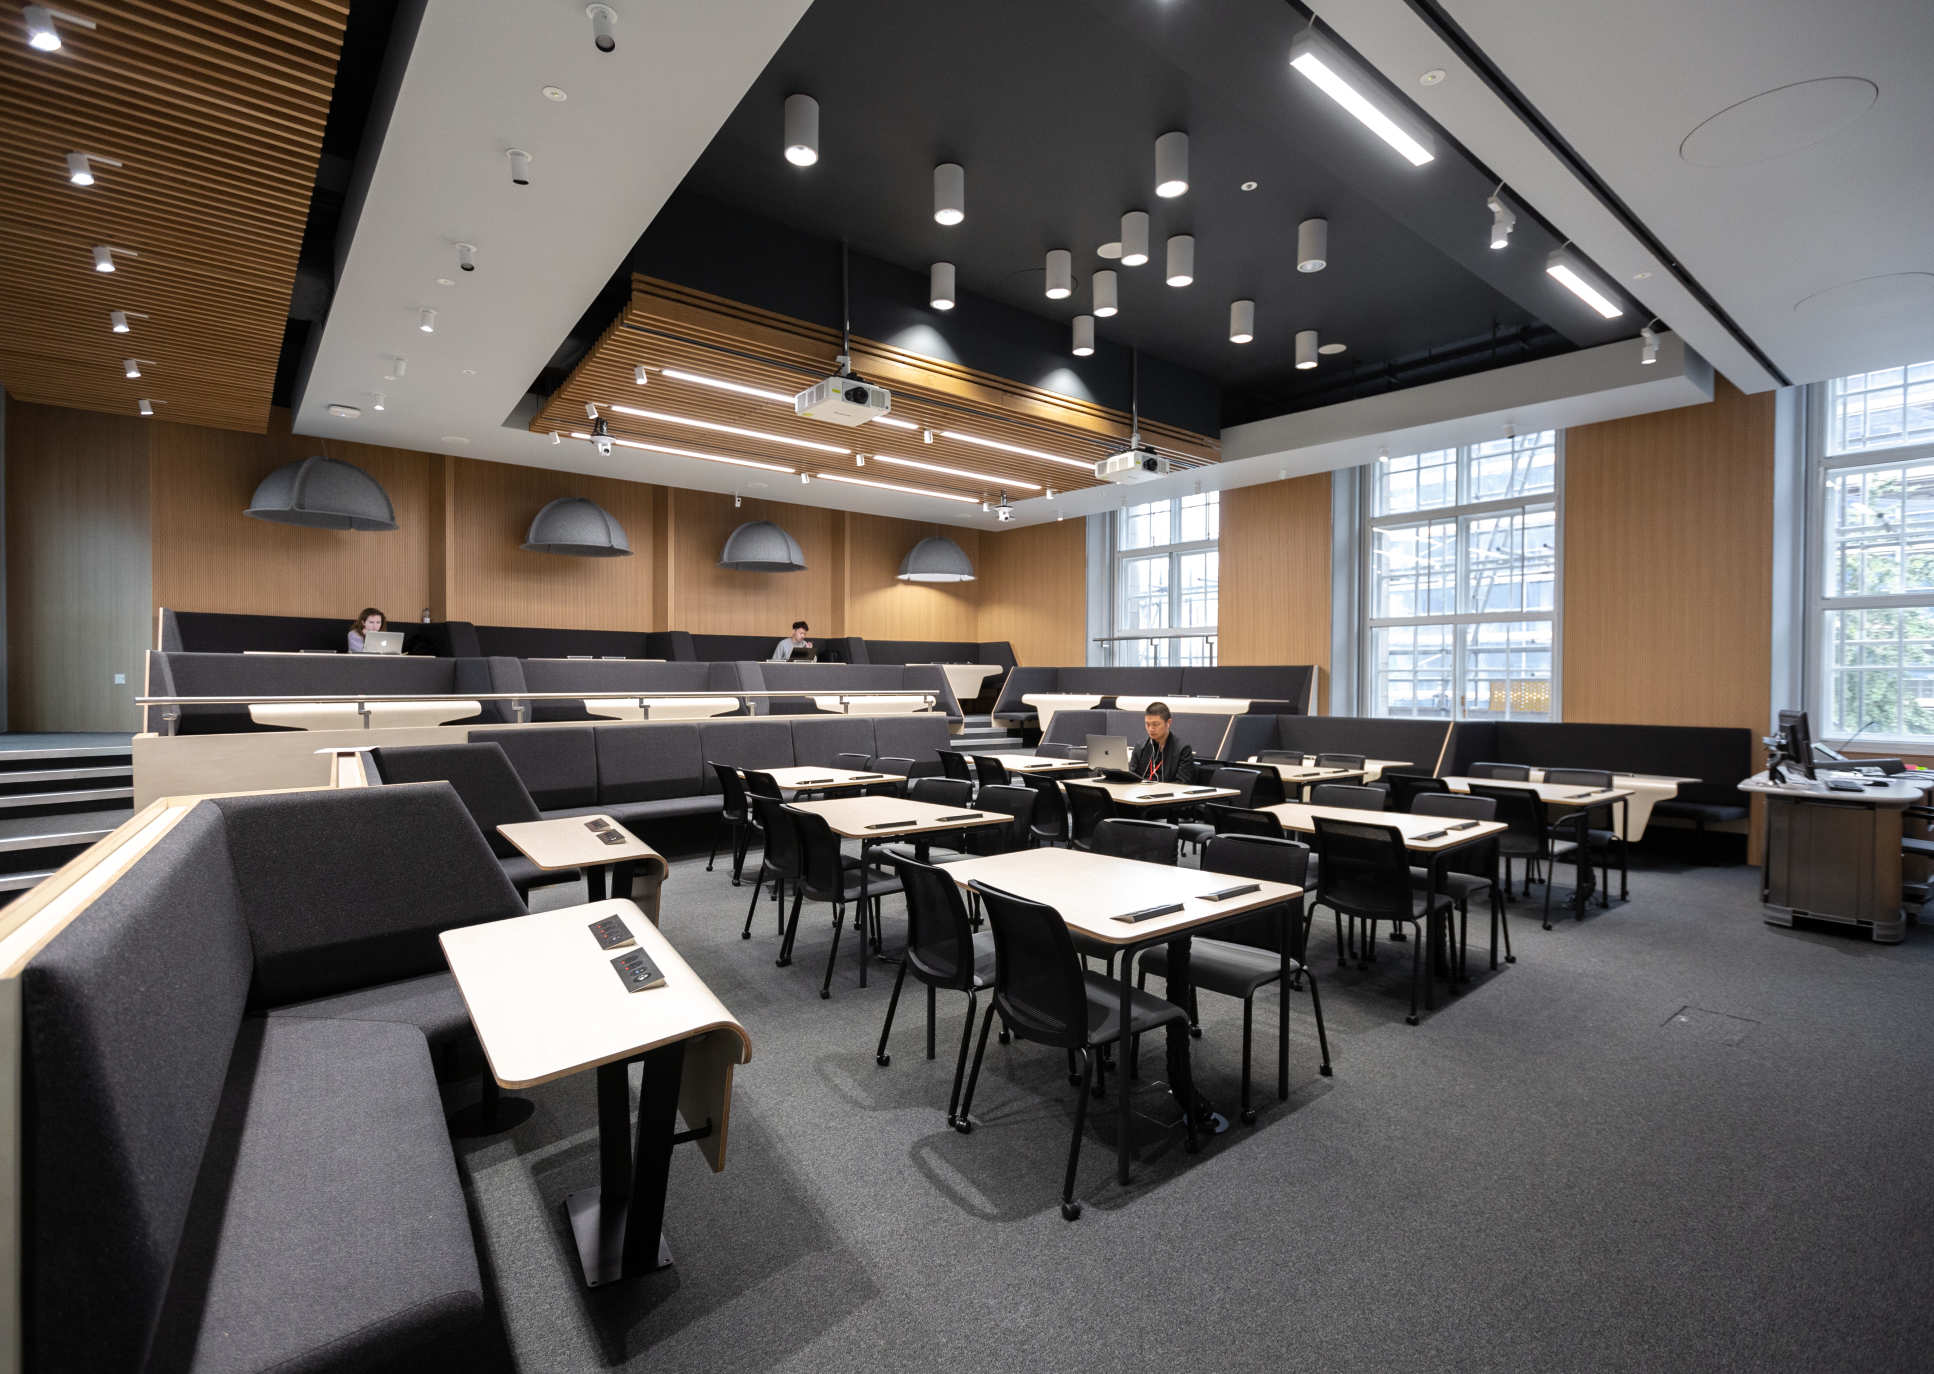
<point x="1835" y="855"/>
<point x="967" y="679"/>
<point x="811" y="779"/>
<point x="1372" y="768"/>
<point x="1562" y="799"/>
<point x="547" y="1004"/>
<point x="1091" y="890"/>
<point x="573" y="842"/>
<point x="661" y="708"/>
<point x="1033" y="763"/>
<point x="1156" y="795"/>
<point x="1647" y="791"/>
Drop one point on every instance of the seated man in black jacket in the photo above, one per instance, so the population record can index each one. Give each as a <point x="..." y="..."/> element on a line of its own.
<point x="1161" y="757"/>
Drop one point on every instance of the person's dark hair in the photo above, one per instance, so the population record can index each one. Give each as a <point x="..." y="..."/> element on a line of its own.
<point x="801" y="625"/>
<point x="1157" y="708"/>
<point x="369" y="611"/>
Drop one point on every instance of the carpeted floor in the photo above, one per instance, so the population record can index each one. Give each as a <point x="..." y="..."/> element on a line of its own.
<point x="1670" y="1137"/>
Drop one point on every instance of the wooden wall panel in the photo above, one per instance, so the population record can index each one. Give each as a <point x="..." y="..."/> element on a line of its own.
<point x="1668" y="565"/>
<point x="1034" y="591"/>
<point x="77" y="567"/>
<point x="708" y="599"/>
<point x="880" y="606"/>
<point x="493" y="581"/>
<point x="1274" y="604"/>
<point x="208" y="556"/>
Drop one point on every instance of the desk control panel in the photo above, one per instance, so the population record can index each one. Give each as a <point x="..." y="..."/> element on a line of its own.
<point x="637" y="972"/>
<point x="612" y="933"/>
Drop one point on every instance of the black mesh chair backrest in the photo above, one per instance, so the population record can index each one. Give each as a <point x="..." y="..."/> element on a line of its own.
<point x="1018" y="802"/>
<point x="993" y="773"/>
<point x="1473" y="858"/>
<point x="1038" y="983"/>
<point x="1522" y="813"/>
<point x="1405" y="788"/>
<point x="1087" y="808"/>
<point x="1202" y="771"/>
<point x="732" y="787"/>
<point x="1516" y="772"/>
<point x="1050" y="807"/>
<point x="1579" y="777"/>
<point x="821" y="873"/>
<point x="1152" y="842"/>
<point x="1295" y="756"/>
<point x="485" y="783"/>
<point x="782" y="836"/>
<point x="1339" y="760"/>
<point x="941" y="791"/>
<point x="856" y="762"/>
<point x="954" y="764"/>
<point x="940" y="940"/>
<point x="761" y="784"/>
<point x="1243" y="780"/>
<point x="1366" y="870"/>
<point x="1348" y="794"/>
<point x="1272" y="861"/>
<point x="893" y="763"/>
<point x="1234" y="820"/>
<point x="1269" y="789"/>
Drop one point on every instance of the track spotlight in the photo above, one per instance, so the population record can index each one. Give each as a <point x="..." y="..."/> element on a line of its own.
<point x="1242" y="321"/>
<point x="1050" y="493"/>
<point x="1060" y="274"/>
<point x="638" y="375"/>
<point x="949" y="193"/>
<point x="1648" y="345"/>
<point x="426" y="320"/>
<point x="42" y="36"/>
<point x="601" y="437"/>
<point x="1181" y="259"/>
<point x="604" y="20"/>
<point x="146" y="407"/>
<point x="80" y="171"/>
<point x="940" y="286"/>
<point x="802" y="130"/>
<point x="104" y="256"/>
<point x="805" y="478"/>
<point x="591" y="410"/>
<point x="1312" y="245"/>
<point x="926" y="436"/>
<point x="1134" y="238"/>
<point x="520" y="166"/>
<point x="1172" y="164"/>
<point x="118" y="319"/>
<point x="1305" y="349"/>
<point x="1502" y="220"/>
<point x="1084" y="336"/>
<point x="737" y="500"/>
<point x="1101" y="293"/>
<point x="556" y="438"/>
<point x="397" y="366"/>
<point x="131" y="368"/>
<point x="379" y="401"/>
<point x="467" y="256"/>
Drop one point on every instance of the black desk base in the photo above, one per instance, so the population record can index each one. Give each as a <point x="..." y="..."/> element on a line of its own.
<point x="619" y="1225"/>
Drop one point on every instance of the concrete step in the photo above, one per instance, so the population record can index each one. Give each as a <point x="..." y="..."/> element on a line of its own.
<point x="91" y="796"/>
<point x="20" y="882"/>
<point x="68" y="830"/>
<point x="10" y="757"/>
<point x="93" y="772"/>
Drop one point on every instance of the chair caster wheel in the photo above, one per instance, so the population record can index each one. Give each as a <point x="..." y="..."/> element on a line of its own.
<point x="1547" y="925"/>
<point x="1006" y="1039"/>
<point x="1326" y="1071"/>
<point x="1410" y="1020"/>
<point x="825" y="994"/>
<point x="1249" y="1117"/>
<point x="882" y="1059"/>
<point x="1510" y="958"/>
<point x="963" y="1125"/>
<point x="1070" y="1211"/>
<point x="782" y="963"/>
<point x="1195" y="1032"/>
<point x="745" y="935"/>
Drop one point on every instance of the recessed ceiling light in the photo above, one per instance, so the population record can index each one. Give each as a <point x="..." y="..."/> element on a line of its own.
<point x="343" y="412"/>
<point x="468" y="371"/>
<point x="1110" y="250"/>
<point x="452" y="439"/>
<point x="1641" y="276"/>
<point x="1431" y="77"/>
<point x="730" y="429"/>
<point x="445" y="281"/>
<point x="555" y="93"/>
<point x="1250" y="185"/>
<point x="1332" y="349"/>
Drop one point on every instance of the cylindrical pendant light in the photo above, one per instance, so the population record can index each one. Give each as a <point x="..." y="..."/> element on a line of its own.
<point x="1134" y="238"/>
<point x="940" y="286"/>
<point x="1102" y="292"/>
<point x="802" y="130"/>
<point x="1312" y="245"/>
<point x="1242" y="321"/>
<point x="949" y="193"/>
<point x="1060" y="274"/>
<point x="1172" y="164"/>
<point x="1181" y="259"/>
<point x="1305" y="349"/>
<point x="1084" y="335"/>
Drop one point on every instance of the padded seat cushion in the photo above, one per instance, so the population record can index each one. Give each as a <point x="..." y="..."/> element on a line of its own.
<point x="1146" y="1011"/>
<point x="645" y="763"/>
<point x="328" y="1227"/>
<point x="624" y="813"/>
<point x="1222" y="966"/>
<point x="431" y="1003"/>
<point x="1466" y="887"/>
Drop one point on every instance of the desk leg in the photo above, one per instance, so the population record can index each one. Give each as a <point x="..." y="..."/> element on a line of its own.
<point x="1122" y="1115"/>
<point x="619" y="1225"/>
<point x="594" y="882"/>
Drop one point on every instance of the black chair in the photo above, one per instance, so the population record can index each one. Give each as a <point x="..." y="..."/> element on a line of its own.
<point x="956" y="765"/>
<point x="890" y="763"/>
<point x="1469" y="873"/>
<point x="1295" y="756"/>
<point x="1269" y="789"/>
<point x="944" y="952"/>
<point x="1366" y="876"/>
<point x="1043" y="994"/>
<point x="827" y="875"/>
<point x="1201" y="770"/>
<point x="778" y="859"/>
<point x="1242" y="959"/>
<point x="854" y="762"/>
<point x="1088" y="806"/>
<point x="1243" y="780"/>
<point x="1405" y="788"/>
<point x="941" y="791"/>
<point x="992" y="772"/>
<point x="1016" y="801"/>
<point x="1340" y="760"/>
<point x="739" y="821"/>
<point x="1510" y="772"/>
<point x="1355" y="796"/>
<point x="759" y="783"/>
<point x="1152" y="842"/>
<point x="1526" y="834"/>
<point x="1234" y="820"/>
<point x="1597" y="826"/>
<point x="490" y="790"/>
<point x="1050" y="822"/>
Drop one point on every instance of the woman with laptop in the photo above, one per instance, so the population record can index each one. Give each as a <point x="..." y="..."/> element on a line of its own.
<point x="371" y="621"/>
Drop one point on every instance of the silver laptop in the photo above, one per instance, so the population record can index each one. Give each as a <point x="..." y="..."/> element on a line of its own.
<point x="1108" y="751"/>
<point x="383" y="642"/>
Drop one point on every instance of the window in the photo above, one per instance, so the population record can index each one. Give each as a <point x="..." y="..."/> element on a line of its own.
<point x="1166" y="565"/>
<point x="1872" y="570"/>
<point x="1461" y="567"/>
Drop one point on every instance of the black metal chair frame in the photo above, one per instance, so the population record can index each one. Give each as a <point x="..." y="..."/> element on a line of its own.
<point x="1397" y="904"/>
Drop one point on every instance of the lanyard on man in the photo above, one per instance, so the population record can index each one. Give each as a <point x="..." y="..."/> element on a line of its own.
<point x="1155" y="761"/>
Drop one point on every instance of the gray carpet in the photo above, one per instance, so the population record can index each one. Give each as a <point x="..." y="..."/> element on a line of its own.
<point x="1670" y="1137"/>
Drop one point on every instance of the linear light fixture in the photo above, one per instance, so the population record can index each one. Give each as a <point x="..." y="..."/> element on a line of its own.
<point x="727" y="429"/>
<point x="1337" y="77"/>
<point x="1568" y="271"/>
<point x="689" y="453"/>
<point x="943" y="469"/>
<point x="1016" y="448"/>
<point x="720" y="384"/>
<point x="890" y="420"/>
<point x="894" y="486"/>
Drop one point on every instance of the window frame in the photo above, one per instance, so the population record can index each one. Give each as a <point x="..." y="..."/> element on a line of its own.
<point x="1368" y="622"/>
<point x="1174" y="550"/>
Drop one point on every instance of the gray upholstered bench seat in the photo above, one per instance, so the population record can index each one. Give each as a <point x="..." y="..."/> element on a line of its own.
<point x="624" y="813"/>
<point x="328" y="1227"/>
<point x="431" y="1003"/>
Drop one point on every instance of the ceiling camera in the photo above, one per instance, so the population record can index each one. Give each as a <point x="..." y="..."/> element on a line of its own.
<point x="601" y="437"/>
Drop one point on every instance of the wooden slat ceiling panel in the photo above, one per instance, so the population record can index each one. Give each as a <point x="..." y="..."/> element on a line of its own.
<point x="216" y="108"/>
<point x="667" y="326"/>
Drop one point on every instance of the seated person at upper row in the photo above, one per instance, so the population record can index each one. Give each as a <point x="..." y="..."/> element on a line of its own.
<point x="795" y="645"/>
<point x="1161" y="757"/>
<point x="369" y="622"/>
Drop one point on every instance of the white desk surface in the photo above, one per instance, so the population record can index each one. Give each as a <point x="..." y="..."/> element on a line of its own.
<point x="662" y="708"/>
<point x="1089" y="890"/>
<point x="1029" y="763"/>
<point x="1045" y="704"/>
<point x="383" y="715"/>
<point x="1303" y="772"/>
<point x="1372" y="768"/>
<point x="569" y="842"/>
<point x="964" y="678"/>
<point x="827" y="779"/>
<point x="873" y="706"/>
<point x="1894" y="794"/>
<point x="1188" y="706"/>
<point x="849" y="817"/>
<point x="1568" y="794"/>
<point x="1298" y="817"/>
<point x="1159" y="793"/>
<point x="546" y="1005"/>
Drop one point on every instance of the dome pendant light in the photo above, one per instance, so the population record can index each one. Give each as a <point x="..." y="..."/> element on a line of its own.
<point x="940" y="286"/>
<point x="949" y="193"/>
<point x="1312" y="245"/>
<point x="802" y="130"/>
<point x="761" y="546"/>
<point x="935" y="559"/>
<point x="1181" y="259"/>
<point x="1101" y="291"/>
<point x="1084" y="336"/>
<point x="1060" y="270"/>
<point x="1134" y="238"/>
<point x="1172" y="165"/>
<point x="324" y="494"/>
<point x="577" y="528"/>
<point x="1242" y="321"/>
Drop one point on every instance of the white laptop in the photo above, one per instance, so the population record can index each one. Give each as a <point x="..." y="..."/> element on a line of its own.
<point x="383" y="642"/>
<point x="1108" y="751"/>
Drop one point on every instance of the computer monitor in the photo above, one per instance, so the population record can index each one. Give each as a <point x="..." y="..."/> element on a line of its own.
<point x="1796" y="741"/>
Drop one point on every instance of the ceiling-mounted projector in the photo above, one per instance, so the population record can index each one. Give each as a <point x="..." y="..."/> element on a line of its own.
<point x="843" y="400"/>
<point x="1134" y="465"/>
